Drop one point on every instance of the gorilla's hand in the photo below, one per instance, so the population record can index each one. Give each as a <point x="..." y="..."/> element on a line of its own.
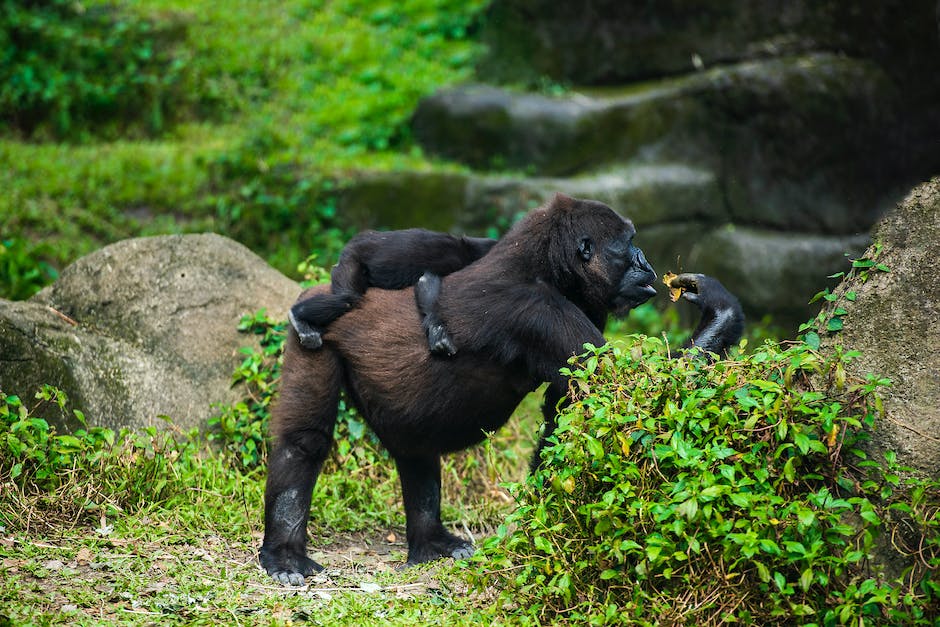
<point x="722" y="318"/>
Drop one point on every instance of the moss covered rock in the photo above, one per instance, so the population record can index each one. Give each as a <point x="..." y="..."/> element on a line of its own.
<point x="809" y="143"/>
<point x="142" y="328"/>
<point x="617" y="41"/>
<point x="894" y="321"/>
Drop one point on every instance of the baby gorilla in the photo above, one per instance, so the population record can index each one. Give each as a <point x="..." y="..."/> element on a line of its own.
<point x="374" y="259"/>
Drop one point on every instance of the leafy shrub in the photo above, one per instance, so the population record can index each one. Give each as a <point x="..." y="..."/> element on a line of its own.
<point x="23" y="269"/>
<point x="90" y="470"/>
<point x="69" y="69"/>
<point x="277" y="210"/>
<point x="681" y="491"/>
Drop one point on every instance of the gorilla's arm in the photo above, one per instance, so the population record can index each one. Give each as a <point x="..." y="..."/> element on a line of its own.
<point x="389" y="260"/>
<point x="427" y="291"/>
<point x="566" y="329"/>
<point x="722" y="321"/>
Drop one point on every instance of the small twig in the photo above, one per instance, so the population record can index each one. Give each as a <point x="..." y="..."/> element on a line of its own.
<point x="62" y="315"/>
<point x="467" y="531"/>
<point x="904" y="425"/>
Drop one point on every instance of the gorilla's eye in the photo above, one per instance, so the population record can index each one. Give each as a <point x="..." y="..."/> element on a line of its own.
<point x="586" y="248"/>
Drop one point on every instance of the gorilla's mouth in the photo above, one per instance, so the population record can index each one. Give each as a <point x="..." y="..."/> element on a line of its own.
<point x="632" y="295"/>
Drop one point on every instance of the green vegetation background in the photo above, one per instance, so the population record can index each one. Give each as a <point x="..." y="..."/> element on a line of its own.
<point x="164" y="116"/>
<point x="675" y="490"/>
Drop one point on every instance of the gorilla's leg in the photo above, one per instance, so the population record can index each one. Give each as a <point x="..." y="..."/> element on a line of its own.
<point x="293" y="467"/>
<point x="310" y="316"/>
<point x="303" y="422"/>
<point x="427" y="290"/>
<point x="421" y="490"/>
<point x="348" y="282"/>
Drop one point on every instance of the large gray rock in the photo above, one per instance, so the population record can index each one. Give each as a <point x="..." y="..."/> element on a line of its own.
<point x="618" y="41"/>
<point x="895" y="324"/>
<point x="809" y="143"/>
<point x="142" y="328"/>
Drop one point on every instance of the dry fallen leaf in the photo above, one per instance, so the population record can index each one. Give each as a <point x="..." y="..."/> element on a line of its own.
<point x="84" y="556"/>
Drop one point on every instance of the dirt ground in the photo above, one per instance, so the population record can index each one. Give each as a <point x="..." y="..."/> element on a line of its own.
<point x="115" y="579"/>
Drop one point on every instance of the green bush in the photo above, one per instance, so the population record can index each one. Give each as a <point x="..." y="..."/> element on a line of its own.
<point x="23" y="268"/>
<point x="278" y="210"/>
<point x="683" y="491"/>
<point x="92" y="469"/>
<point x="70" y="69"/>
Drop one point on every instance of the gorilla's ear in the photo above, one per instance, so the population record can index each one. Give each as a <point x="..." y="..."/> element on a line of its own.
<point x="586" y="248"/>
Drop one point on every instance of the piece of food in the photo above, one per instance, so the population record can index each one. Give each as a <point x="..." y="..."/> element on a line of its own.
<point x="674" y="292"/>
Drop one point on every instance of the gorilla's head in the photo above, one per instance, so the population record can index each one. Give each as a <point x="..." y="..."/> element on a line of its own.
<point x="593" y="259"/>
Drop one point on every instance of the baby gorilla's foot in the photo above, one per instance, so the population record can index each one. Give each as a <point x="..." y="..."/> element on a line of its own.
<point x="310" y="338"/>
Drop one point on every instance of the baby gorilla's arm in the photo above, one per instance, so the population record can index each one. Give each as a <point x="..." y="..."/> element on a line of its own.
<point x="427" y="290"/>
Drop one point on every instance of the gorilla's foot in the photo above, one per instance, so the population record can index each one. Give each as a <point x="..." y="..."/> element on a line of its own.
<point x="311" y="341"/>
<point x="442" y="544"/>
<point x="439" y="341"/>
<point x="309" y="336"/>
<point x="286" y="567"/>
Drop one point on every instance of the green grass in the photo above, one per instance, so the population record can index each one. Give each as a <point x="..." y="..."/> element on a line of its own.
<point x="98" y="528"/>
<point x="303" y="92"/>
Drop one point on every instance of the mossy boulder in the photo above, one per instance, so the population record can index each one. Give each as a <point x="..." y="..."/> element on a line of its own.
<point x="140" y="329"/>
<point x="618" y="41"/>
<point x="399" y="200"/>
<point x="771" y="271"/>
<point x="894" y="322"/>
<point x="810" y="143"/>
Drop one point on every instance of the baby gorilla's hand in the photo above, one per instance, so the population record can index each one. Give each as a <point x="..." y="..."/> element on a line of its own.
<point x="439" y="342"/>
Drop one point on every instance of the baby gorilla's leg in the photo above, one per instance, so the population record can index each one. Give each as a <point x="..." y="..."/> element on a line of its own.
<point x="310" y="337"/>
<point x="310" y="316"/>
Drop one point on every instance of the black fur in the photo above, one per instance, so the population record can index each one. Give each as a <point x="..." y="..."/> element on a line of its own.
<point x="390" y="260"/>
<point x="518" y="314"/>
<point x="722" y="321"/>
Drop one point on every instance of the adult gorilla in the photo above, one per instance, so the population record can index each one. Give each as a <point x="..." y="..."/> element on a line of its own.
<point x="518" y="314"/>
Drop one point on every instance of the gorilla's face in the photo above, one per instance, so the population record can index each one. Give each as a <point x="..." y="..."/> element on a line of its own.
<point x="631" y="275"/>
<point x="600" y="268"/>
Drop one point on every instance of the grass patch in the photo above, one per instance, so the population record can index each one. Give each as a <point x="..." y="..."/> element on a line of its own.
<point x="302" y="93"/>
<point x="100" y="528"/>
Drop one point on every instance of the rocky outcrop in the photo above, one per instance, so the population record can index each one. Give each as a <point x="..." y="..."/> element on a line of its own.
<point x="604" y="42"/>
<point x="778" y="122"/>
<point x="894" y="322"/>
<point x="777" y="135"/>
<point x="142" y="328"/>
